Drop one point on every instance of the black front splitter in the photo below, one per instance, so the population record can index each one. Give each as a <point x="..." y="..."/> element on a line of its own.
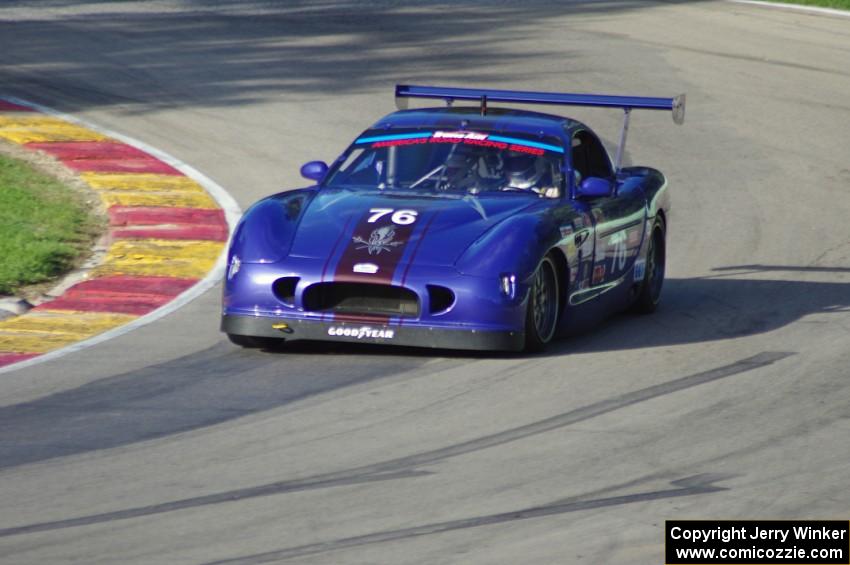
<point x="371" y="332"/>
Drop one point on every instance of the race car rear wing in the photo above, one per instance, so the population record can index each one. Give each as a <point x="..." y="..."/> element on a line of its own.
<point x="676" y="105"/>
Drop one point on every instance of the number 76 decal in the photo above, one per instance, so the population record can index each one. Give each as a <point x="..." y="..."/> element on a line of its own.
<point x="400" y="217"/>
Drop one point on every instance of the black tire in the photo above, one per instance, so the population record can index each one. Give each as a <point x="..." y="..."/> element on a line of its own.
<point x="653" y="279"/>
<point x="253" y="342"/>
<point x="542" y="306"/>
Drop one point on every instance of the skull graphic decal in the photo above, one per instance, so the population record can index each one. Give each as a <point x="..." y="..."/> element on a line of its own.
<point x="380" y="239"/>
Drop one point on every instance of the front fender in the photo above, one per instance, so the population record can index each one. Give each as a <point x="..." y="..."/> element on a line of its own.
<point x="267" y="229"/>
<point x="515" y="246"/>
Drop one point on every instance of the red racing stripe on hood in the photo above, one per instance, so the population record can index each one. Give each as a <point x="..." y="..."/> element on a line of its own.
<point x="374" y="250"/>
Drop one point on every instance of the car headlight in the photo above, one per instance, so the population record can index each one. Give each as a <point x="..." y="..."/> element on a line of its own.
<point x="507" y="284"/>
<point x="235" y="263"/>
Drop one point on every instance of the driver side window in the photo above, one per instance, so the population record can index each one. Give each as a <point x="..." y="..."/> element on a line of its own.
<point x="589" y="157"/>
<point x="361" y="167"/>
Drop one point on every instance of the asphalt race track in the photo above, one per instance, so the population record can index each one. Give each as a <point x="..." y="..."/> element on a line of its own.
<point x="169" y="445"/>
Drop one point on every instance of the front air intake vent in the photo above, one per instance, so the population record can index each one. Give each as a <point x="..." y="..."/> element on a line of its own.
<point x="284" y="289"/>
<point x="440" y="298"/>
<point x="361" y="299"/>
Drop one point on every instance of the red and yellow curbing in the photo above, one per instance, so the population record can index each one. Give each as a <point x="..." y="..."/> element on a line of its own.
<point x="166" y="233"/>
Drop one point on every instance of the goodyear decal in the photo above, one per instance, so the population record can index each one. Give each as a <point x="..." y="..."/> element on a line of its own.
<point x="362" y="332"/>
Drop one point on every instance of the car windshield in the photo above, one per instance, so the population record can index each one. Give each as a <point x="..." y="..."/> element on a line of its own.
<point x="451" y="162"/>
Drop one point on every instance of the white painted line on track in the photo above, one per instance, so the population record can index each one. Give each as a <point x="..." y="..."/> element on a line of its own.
<point x="232" y="213"/>
<point x="795" y="7"/>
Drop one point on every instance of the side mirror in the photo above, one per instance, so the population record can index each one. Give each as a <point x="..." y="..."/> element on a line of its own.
<point x="594" y="187"/>
<point x="314" y="170"/>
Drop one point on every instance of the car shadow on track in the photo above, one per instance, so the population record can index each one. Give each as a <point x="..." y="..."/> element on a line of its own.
<point x="197" y="390"/>
<point x="221" y="383"/>
<point x="716" y="307"/>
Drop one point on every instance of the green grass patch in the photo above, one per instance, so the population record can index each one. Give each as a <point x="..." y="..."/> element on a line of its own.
<point x="837" y="4"/>
<point x="45" y="226"/>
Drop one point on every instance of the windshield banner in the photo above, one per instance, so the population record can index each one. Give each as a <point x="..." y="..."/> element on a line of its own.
<point x="465" y="137"/>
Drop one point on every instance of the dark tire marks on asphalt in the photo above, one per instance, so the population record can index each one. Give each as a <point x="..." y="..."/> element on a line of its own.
<point x="407" y="467"/>
<point x="688" y="486"/>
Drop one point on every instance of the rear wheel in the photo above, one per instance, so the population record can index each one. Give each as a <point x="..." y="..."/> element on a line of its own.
<point x="653" y="279"/>
<point x="253" y="342"/>
<point x="541" y="314"/>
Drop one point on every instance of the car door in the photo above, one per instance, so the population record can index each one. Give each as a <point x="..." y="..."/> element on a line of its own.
<point x="619" y="218"/>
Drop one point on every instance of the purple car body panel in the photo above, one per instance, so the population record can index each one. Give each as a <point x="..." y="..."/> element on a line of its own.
<point x="423" y="268"/>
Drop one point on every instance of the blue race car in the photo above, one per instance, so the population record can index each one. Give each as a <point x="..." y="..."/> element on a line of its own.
<point x="455" y="227"/>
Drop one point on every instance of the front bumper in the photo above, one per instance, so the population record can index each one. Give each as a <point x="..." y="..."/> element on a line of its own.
<point x="292" y="329"/>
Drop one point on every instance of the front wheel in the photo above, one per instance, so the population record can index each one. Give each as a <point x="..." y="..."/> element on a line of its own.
<point x="653" y="280"/>
<point x="541" y="314"/>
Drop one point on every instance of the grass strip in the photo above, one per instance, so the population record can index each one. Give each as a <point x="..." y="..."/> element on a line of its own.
<point x="835" y="4"/>
<point x="45" y="226"/>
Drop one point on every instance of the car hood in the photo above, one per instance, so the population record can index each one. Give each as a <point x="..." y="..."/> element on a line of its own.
<point x="346" y="222"/>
